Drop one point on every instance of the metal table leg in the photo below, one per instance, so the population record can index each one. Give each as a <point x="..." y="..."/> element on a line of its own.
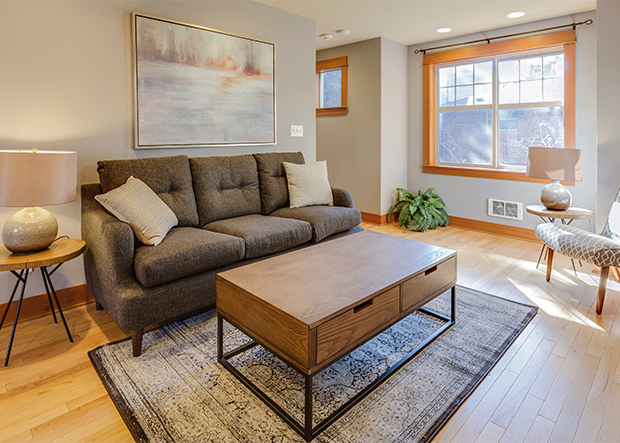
<point x="23" y="281"/>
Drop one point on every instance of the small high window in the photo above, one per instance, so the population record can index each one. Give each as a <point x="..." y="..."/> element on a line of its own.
<point x="331" y="85"/>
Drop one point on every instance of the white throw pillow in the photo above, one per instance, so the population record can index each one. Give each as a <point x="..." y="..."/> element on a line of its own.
<point x="308" y="184"/>
<point x="135" y="203"/>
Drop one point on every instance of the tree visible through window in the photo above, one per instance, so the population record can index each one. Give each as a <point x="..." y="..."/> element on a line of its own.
<point x="332" y="86"/>
<point x="485" y="106"/>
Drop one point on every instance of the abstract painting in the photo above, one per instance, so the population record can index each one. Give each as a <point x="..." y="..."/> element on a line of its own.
<point x="197" y="87"/>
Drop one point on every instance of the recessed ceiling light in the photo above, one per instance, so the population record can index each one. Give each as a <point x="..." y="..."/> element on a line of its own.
<point x="515" y="14"/>
<point x="443" y="30"/>
<point x="342" y="32"/>
<point x="326" y="36"/>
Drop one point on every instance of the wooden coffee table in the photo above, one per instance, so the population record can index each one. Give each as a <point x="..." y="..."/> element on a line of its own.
<point x="313" y="306"/>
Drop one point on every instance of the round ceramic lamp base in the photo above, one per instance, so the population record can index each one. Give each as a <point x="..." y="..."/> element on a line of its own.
<point x="29" y="230"/>
<point x="555" y="196"/>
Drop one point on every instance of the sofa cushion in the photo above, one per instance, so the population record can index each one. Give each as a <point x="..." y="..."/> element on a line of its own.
<point x="272" y="178"/>
<point x="325" y="220"/>
<point x="135" y="203"/>
<point x="264" y="235"/>
<point x="169" y="177"/>
<point x="185" y="251"/>
<point x="225" y="187"/>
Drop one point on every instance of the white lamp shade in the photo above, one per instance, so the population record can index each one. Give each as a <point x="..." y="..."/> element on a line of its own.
<point x="554" y="164"/>
<point x="37" y="178"/>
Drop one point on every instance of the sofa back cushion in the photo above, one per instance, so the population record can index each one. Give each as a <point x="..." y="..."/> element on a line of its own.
<point x="225" y="187"/>
<point x="272" y="178"/>
<point x="169" y="177"/>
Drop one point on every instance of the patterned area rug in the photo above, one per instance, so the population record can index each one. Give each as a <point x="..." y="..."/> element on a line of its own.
<point x="176" y="392"/>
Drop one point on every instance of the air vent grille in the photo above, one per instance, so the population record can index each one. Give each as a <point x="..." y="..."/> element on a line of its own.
<point x="505" y="209"/>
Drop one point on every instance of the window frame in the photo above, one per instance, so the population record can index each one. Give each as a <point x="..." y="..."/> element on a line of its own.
<point x="334" y="64"/>
<point x="564" y="41"/>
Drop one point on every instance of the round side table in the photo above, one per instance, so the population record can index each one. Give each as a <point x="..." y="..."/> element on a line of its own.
<point x="566" y="217"/>
<point x="62" y="250"/>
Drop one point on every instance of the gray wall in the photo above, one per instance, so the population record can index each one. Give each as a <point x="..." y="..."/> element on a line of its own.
<point x="608" y="96"/>
<point x="467" y="197"/>
<point x="351" y="143"/>
<point x="66" y="83"/>
<point x="393" y="121"/>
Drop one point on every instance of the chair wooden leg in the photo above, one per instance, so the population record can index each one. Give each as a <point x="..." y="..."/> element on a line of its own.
<point x="602" y="285"/>
<point x="136" y="341"/>
<point x="549" y="262"/>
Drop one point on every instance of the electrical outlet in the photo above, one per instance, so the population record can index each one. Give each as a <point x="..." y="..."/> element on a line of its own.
<point x="297" y="131"/>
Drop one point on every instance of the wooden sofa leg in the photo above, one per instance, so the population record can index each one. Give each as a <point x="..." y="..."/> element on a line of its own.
<point x="98" y="306"/>
<point x="602" y="285"/>
<point x="549" y="263"/>
<point x="136" y="341"/>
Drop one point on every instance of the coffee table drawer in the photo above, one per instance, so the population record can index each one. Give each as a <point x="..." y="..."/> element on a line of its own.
<point x="417" y="290"/>
<point x="340" y="333"/>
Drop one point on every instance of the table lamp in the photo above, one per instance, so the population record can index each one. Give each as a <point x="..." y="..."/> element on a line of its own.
<point x="31" y="179"/>
<point x="554" y="164"/>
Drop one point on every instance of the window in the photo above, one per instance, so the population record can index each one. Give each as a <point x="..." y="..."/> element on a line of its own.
<point x="486" y="105"/>
<point x="331" y="80"/>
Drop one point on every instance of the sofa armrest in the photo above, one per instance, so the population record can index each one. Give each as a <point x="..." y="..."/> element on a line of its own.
<point x="342" y="197"/>
<point x="110" y="247"/>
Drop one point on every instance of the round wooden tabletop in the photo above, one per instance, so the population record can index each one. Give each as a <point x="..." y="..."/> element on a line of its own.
<point x="572" y="213"/>
<point x="60" y="251"/>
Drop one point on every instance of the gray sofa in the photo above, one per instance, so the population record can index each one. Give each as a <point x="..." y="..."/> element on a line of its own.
<point x="231" y="211"/>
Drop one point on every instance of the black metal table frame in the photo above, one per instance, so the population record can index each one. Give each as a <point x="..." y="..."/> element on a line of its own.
<point x="307" y="430"/>
<point x="22" y="278"/>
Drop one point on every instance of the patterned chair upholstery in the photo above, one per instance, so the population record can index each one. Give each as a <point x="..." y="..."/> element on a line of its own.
<point x="601" y="250"/>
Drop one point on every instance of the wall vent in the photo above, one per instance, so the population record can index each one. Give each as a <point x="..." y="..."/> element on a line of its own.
<point x="505" y="209"/>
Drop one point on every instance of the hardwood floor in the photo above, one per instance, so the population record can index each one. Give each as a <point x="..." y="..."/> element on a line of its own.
<point x="559" y="381"/>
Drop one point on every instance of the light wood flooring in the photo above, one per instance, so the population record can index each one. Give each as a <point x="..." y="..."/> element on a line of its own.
<point x="558" y="382"/>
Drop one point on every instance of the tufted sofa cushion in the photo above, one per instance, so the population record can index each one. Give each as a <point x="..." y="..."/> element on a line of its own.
<point x="169" y="177"/>
<point x="272" y="178"/>
<point x="185" y="252"/>
<point x="579" y="244"/>
<point x="325" y="220"/>
<point x="225" y="187"/>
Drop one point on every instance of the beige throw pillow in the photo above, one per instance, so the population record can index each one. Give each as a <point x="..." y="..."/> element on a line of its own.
<point x="308" y="184"/>
<point x="135" y="203"/>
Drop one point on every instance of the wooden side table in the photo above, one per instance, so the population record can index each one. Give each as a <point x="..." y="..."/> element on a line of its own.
<point x="62" y="250"/>
<point x="566" y="217"/>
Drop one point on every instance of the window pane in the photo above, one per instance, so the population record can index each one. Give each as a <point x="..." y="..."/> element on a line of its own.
<point x="484" y="72"/>
<point x="484" y="95"/>
<point x="464" y="95"/>
<point x="331" y="84"/>
<point x="508" y="71"/>
<point x="508" y="93"/>
<point x="553" y="89"/>
<point x="531" y="91"/>
<point x="465" y="137"/>
<point x="531" y="68"/>
<point x="521" y="128"/>
<point x="553" y="65"/>
<point x="446" y="96"/>
<point x="465" y="75"/>
<point x="446" y="76"/>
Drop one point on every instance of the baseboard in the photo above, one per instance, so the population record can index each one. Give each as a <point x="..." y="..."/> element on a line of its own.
<point x="374" y="218"/>
<point x="38" y="305"/>
<point x="494" y="228"/>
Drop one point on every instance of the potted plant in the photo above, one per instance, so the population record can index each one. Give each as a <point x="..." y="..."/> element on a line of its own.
<point x="420" y="212"/>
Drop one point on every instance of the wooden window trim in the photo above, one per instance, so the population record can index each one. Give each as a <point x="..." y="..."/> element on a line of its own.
<point x="561" y="40"/>
<point x="340" y="63"/>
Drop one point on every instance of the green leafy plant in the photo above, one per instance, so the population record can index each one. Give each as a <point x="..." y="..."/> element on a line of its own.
<point x="420" y="212"/>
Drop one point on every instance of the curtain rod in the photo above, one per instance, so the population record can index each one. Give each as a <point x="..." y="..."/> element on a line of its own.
<point x="488" y="40"/>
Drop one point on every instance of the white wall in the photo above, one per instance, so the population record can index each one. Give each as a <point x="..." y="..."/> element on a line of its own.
<point x="608" y="96"/>
<point x="393" y="121"/>
<point x="66" y="83"/>
<point x="467" y="197"/>
<point x="351" y="143"/>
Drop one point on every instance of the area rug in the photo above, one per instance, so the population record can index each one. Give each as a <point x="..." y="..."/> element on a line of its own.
<point x="177" y="392"/>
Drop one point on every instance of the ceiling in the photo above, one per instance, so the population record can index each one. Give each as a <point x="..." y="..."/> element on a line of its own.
<point x="416" y="21"/>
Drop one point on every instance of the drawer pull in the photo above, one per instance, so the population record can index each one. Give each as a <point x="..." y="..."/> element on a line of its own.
<point x="358" y="308"/>
<point x="431" y="270"/>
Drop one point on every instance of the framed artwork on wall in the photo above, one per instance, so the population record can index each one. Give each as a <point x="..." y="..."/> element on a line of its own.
<point x="200" y="87"/>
